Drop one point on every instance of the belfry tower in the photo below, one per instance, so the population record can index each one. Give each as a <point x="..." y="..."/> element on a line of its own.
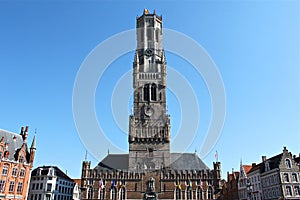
<point x="149" y="126"/>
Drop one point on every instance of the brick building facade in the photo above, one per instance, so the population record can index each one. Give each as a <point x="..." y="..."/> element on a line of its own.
<point x="16" y="164"/>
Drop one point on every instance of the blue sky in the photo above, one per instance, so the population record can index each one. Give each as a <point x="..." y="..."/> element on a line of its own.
<point x="255" y="44"/>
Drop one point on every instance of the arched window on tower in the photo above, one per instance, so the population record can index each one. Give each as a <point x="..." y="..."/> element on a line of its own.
<point x="146" y="92"/>
<point x="153" y="92"/>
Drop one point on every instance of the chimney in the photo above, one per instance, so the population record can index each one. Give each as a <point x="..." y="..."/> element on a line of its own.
<point x="22" y="130"/>
<point x="253" y="164"/>
<point x="264" y="158"/>
<point x="26" y="129"/>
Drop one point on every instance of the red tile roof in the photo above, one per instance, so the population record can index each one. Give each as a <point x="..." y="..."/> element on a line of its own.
<point x="247" y="168"/>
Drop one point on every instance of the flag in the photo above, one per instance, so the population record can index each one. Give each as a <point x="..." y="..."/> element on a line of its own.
<point x="189" y="184"/>
<point x="216" y="156"/>
<point x="120" y="185"/>
<point x="178" y="185"/>
<point x="101" y="184"/>
<point x="113" y="183"/>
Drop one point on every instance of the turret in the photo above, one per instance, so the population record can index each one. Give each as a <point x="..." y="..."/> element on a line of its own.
<point x="32" y="151"/>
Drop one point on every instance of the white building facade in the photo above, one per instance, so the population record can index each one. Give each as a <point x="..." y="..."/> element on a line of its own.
<point x="50" y="183"/>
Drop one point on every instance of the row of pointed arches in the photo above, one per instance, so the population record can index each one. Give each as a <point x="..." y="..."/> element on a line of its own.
<point x="188" y="193"/>
<point x="114" y="194"/>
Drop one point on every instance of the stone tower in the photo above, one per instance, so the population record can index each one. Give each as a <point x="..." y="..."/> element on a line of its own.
<point x="149" y="126"/>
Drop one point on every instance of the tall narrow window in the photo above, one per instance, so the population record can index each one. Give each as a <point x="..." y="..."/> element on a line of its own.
<point x="286" y="177"/>
<point x="288" y="163"/>
<point x="20" y="187"/>
<point x="122" y="193"/>
<point x="153" y="92"/>
<point x="199" y="193"/>
<point x="5" y="170"/>
<point x="177" y="193"/>
<point x="146" y="92"/>
<point x="101" y="193"/>
<point x="189" y="193"/>
<point x="22" y="172"/>
<point x="288" y="191"/>
<point x="2" y="185"/>
<point x="90" y="193"/>
<point x="209" y="193"/>
<point x="114" y="193"/>
<point x="294" y="177"/>
<point x="11" y="186"/>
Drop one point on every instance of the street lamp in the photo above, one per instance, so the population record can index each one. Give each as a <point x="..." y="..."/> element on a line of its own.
<point x="249" y="189"/>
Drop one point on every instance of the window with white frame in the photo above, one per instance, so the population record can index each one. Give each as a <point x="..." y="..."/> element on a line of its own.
<point x="294" y="177"/>
<point x="286" y="177"/>
<point x="20" y="187"/>
<point x="14" y="171"/>
<point x="11" y="186"/>
<point x="2" y="185"/>
<point x="22" y="172"/>
<point x="288" y="163"/>
<point x="21" y="159"/>
<point x="288" y="190"/>
<point x="5" y="170"/>
<point x="296" y="190"/>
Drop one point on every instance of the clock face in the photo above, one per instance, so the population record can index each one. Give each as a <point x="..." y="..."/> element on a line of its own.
<point x="148" y="110"/>
<point x="148" y="52"/>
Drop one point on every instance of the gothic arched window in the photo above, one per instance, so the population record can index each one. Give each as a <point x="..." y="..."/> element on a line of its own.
<point x="146" y="92"/>
<point x="177" y="193"/>
<point x="288" y="163"/>
<point x="209" y="193"/>
<point x="153" y="92"/>
<point x="90" y="193"/>
<point x="114" y="193"/>
<point x="189" y="193"/>
<point x="122" y="193"/>
<point x="199" y="193"/>
<point x="101" y="193"/>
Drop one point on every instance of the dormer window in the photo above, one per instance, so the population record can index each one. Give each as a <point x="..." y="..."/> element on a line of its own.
<point x="288" y="163"/>
<point x="21" y="159"/>
<point x="38" y="173"/>
<point x="267" y="166"/>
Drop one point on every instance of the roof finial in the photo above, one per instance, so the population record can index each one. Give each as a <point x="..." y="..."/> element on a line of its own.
<point x="85" y="157"/>
<point x="33" y="144"/>
<point x="146" y="11"/>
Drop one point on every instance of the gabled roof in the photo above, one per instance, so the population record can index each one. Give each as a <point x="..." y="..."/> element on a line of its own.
<point x="273" y="162"/>
<point x="179" y="161"/>
<point x="14" y="141"/>
<point x="45" y="170"/>
<point x="247" y="168"/>
<point x="187" y="161"/>
<point x="255" y="167"/>
<point x="114" y="161"/>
